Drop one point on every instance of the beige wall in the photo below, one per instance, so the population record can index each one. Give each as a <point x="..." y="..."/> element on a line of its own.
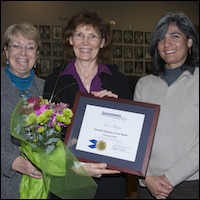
<point x="132" y="15"/>
<point x="137" y="15"/>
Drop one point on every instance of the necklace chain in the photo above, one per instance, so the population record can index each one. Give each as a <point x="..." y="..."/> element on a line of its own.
<point x="24" y="92"/>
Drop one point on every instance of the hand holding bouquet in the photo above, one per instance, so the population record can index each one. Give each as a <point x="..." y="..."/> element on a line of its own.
<point x="38" y="123"/>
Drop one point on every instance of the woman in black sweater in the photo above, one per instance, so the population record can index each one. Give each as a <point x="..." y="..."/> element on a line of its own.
<point x="87" y="43"/>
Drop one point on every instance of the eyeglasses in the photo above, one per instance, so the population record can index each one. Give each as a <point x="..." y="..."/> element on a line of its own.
<point x="92" y="37"/>
<point x="18" y="48"/>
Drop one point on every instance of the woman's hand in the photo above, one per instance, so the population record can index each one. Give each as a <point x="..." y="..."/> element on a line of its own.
<point x="104" y="93"/>
<point x="24" y="166"/>
<point x="94" y="169"/>
<point x="159" y="186"/>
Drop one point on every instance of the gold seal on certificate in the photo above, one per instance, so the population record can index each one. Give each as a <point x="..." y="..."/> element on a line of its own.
<point x="101" y="145"/>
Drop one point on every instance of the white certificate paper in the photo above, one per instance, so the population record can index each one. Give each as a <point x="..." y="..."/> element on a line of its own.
<point x="110" y="132"/>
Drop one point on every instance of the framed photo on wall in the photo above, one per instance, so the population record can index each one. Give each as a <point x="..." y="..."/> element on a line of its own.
<point x="128" y="52"/>
<point x="138" y="37"/>
<point x="44" y="32"/>
<point x="147" y="37"/>
<point x="117" y="51"/>
<point x="128" y="36"/>
<point x="57" y="32"/>
<point x="58" y="63"/>
<point x="148" y="67"/>
<point x="57" y="49"/>
<point x="139" y="67"/>
<point x="46" y="49"/>
<point x="45" y="66"/>
<point x="138" y="52"/>
<point x="128" y="67"/>
<point x="147" y="53"/>
<point x="119" y="64"/>
<point x="117" y="36"/>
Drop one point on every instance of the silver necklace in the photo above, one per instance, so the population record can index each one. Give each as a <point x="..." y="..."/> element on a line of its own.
<point x="24" y="93"/>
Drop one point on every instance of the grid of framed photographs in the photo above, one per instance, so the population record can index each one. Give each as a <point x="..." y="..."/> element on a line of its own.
<point x="130" y="51"/>
<point x="52" y="52"/>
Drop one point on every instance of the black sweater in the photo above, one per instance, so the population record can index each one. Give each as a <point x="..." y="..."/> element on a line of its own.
<point x="109" y="186"/>
<point x="67" y="86"/>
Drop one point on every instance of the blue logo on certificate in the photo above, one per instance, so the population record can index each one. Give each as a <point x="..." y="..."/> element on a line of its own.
<point x="99" y="145"/>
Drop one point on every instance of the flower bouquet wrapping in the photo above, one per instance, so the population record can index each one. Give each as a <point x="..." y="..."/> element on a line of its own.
<point x="38" y="123"/>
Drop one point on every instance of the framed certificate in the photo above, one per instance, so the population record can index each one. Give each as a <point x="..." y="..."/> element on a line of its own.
<point x="115" y="131"/>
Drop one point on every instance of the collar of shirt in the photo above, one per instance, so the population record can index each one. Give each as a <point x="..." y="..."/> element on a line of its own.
<point x="96" y="84"/>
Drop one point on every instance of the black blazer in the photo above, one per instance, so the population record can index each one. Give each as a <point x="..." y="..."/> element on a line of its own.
<point x="109" y="186"/>
<point x="67" y="86"/>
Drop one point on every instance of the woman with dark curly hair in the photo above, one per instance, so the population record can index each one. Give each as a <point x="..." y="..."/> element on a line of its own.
<point x="87" y="42"/>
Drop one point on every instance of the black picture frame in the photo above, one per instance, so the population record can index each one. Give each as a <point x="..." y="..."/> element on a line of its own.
<point x="117" y="51"/>
<point x="138" y="37"/>
<point x="147" y="53"/>
<point x="45" y="66"/>
<point x="57" y="32"/>
<point x="148" y="67"/>
<point x="147" y="36"/>
<point x="128" y="67"/>
<point x="128" y="36"/>
<point x="46" y="49"/>
<point x="119" y="64"/>
<point x="45" y="32"/>
<point x="58" y="63"/>
<point x="108" y="147"/>
<point x="138" y="50"/>
<point x="128" y="52"/>
<point x="117" y="36"/>
<point x="57" y="49"/>
<point x="139" y="68"/>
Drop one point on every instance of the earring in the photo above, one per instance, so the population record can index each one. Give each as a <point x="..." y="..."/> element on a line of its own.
<point x="7" y="61"/>
<point x="35" y="65"/>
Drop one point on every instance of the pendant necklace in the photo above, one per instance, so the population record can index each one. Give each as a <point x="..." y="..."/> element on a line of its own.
<point x="23" y="86"/>
<point x="87" y="87"/>
<point x="24" y="93"/>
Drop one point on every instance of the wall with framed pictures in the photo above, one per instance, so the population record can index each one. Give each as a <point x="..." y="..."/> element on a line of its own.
<point x="52" y="52"/>
<point x="134" y="15"/>
<point x="130" y="51"/>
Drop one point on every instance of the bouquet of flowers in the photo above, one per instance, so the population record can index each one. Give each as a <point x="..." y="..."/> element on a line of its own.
<point x="38" y="123"/>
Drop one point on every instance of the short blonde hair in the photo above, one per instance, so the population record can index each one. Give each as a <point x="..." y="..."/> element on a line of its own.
<point x="27" y="29"/>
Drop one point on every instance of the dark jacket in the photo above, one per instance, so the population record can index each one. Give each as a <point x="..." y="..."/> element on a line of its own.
<point x="67" y="86"/>
<point x="109" y="186"/>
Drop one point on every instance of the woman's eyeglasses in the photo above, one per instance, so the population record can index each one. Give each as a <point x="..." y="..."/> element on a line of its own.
<point x="18" y="48"/>
<point x="91" y="37"/>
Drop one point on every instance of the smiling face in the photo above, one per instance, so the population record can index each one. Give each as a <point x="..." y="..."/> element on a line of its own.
<point x="86" y="43"/>
<point x="173" y="47"/>
<point x="21" y="54"/>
